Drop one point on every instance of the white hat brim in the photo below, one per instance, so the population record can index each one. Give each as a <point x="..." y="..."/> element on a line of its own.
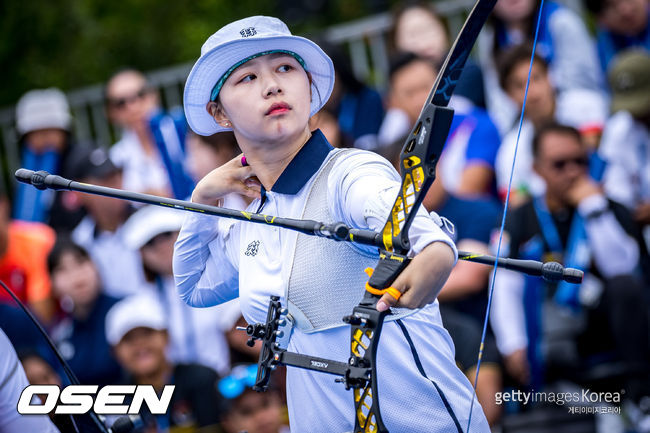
<point x="214" y="63"/>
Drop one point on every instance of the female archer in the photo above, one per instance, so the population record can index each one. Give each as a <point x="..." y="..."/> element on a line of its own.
<point x="258" y="80"/>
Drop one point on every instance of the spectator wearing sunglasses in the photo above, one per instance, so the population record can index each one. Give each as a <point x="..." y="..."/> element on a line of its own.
<point x="151" y="151"/>
<point x="551" y="332"/>
<point x="582" y="109"/>
<point x="137" y="329"/>
<point x="196" y="335"/>
<point x="248" y="410"/>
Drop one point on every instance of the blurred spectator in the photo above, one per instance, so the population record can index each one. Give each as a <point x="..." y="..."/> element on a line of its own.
<point x="563" y="43"/>
<point x="136" y="327"/>
<point x="196" y="335"/>
<point x="357" y="108"/>
<point x="205" y="153"/>
<point x="626" y="138"/>
<point x="621" y="24"/>
<point x="23" y="261"/>
<point x="101" y="232"/>
<point x="43" y="123"/>
<point x="37" y="369"/>
<point x="548" y="332"/>
<point x="326" y="121"/>
<point x="13" y="381"/>
<point x="79" y="330"/>
<point x="466" y="166"/>
<point x="22" y="333"/>
<point x="249" y="410"/>
<point x="151" y="151"/>
<point x="418" y="29"/>
<point x="580" y="108"/>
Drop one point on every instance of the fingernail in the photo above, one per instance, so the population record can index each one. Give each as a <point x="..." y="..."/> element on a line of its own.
<point x="382" y="306"/>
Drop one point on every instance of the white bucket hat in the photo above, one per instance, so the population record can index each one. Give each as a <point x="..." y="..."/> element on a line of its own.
<point x="241" y="40"/>
<point x="41" y="109"/>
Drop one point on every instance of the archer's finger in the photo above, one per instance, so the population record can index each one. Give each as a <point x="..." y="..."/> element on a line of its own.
<point x="388" y="299"/>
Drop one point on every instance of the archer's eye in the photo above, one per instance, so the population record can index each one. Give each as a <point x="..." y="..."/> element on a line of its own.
<point x="248" y="77"/>
<point x="285" y="68"/>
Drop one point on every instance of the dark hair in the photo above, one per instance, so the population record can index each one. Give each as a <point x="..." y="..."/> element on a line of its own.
<point x="342" y="66"/>
<point x="63" y="245"/>
<point x="499" y="27"/>
<point x="595" y="6"/>
<point x="403" y="59"/>
<point x="512" y="58"/>
<point x="118" y="72"/>
<point x="553" y="127"/>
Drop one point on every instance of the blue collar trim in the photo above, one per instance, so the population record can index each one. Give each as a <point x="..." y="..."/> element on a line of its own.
<point x="304" y="165"/>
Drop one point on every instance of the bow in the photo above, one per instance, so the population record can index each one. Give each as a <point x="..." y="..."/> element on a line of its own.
<point x="418" y="160"/>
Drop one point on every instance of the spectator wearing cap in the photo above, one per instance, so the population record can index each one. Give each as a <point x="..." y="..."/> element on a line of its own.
<point x="626" y="139"/>
<point x="79" y="327"/>
<point x="136" y="328"/>
<point x="151" y="151"/>
<point x="23" y="261"/>
<point x="43" y="123"/>
<point x="580" y="108"/>
<point x="248" y="410"/>
<point x="101" y="231"/>
<point x="621" y="24"/>
<point x="195" y="334"/>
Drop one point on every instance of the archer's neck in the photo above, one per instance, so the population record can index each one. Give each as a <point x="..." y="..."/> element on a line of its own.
<point x="269" y="159"/>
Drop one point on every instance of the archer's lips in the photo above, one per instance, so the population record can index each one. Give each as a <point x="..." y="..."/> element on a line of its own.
<point x="278" y="108"/>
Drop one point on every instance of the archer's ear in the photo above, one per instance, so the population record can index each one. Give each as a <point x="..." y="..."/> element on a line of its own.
<point x="216" y="111"/>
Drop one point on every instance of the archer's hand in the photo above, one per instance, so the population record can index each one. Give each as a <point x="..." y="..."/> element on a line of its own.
<point x="230" y="177"/>
<point x="421" y="281"/>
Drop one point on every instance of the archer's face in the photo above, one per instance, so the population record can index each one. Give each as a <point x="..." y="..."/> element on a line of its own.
<point x="267" y="99"/>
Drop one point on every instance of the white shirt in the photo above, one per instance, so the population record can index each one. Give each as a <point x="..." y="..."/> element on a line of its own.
<point x="110" y="251"/>
<point x="211" y="266"/>
<point x="141" y="172"/>
<point x="197" y="335"/>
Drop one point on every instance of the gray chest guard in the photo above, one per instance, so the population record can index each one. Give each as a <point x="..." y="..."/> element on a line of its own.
<point x="327" y="279"/>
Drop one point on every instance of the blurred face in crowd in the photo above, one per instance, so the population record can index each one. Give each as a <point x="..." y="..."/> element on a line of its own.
<point x="39" y="372"/>
<point x="109" y="213"/>
<point x="561" y="160"/>
<point x="4" y="224"/>
<point x="410" y="87"/>
<point x="540" y="105"/>
<point x="626" y="17"/>
<point x="158" y="253"/>
<point x="202" y="157"/>
<point x="255" y="412"/>
<point x="142" y="351"/>
<point x="420" y="32"/>
<point x="75" y="278"/>
<point x="512" y="11"/>
<point x="129" y="100"/>
<point x="42" y="140"/>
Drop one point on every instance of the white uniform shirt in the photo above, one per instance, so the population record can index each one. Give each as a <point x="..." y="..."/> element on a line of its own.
<point x="216" y="260"/>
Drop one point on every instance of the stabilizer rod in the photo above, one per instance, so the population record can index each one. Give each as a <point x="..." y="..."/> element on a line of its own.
<point x="551" y="271"/>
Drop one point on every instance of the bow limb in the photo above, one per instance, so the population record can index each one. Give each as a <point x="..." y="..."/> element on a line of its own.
<point x="418" y="160"/>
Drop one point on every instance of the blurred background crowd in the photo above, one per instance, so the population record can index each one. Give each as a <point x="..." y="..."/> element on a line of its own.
<point x="97" y="271"/>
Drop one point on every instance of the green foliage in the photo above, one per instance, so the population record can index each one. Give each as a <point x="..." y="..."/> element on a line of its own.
<point x="73" y="43"/>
